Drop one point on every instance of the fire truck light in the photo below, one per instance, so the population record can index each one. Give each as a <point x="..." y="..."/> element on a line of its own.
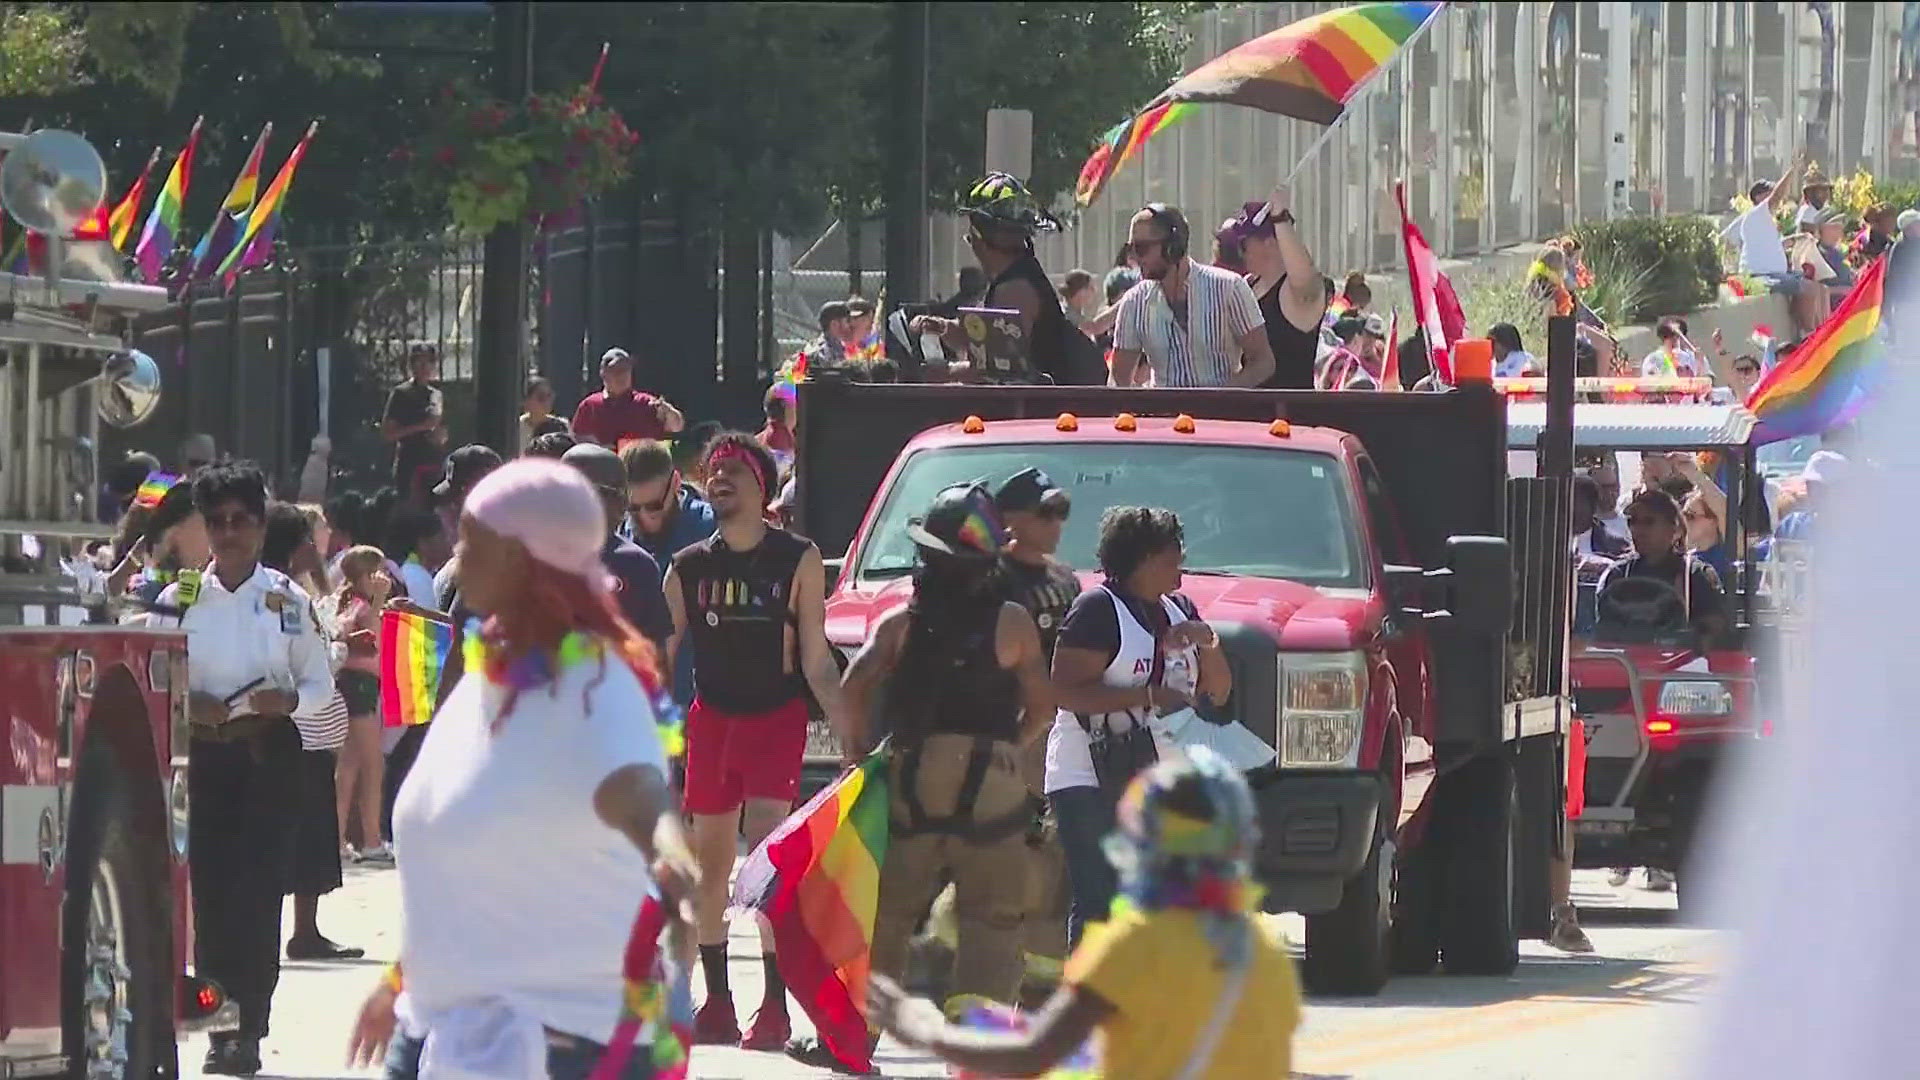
<point x="1659" y="727"/>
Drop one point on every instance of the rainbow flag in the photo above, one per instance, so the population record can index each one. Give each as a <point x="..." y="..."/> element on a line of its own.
<point x="256" y="240"/>
<point x="656" y="996"/>
<point x="1832" y="375"/>
<point x="413" y="653"/>
<point x="816" y="881"/>
<point x="154" y="488"/>
<point x="120" y="222"/>
<point x="163" y="222"/>
<point x="1309" y="70"/>
<point x="217" y="242"/>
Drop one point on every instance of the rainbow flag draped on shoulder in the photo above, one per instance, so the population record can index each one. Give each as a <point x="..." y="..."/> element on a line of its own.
<point x="1827" y="380"/>
<point x="816" y="881"/>
<point x="413" y="654"/>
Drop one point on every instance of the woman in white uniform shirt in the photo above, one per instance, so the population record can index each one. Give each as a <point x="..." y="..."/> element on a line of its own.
<point x="537" y="817"/>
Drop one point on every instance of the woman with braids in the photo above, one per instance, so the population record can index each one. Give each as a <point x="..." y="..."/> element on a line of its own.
<point x="1128" y="650"/>
<point x="538" y="817"/>
<point x="1185" y="980"/>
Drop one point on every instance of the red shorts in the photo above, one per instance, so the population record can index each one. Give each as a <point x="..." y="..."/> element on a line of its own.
<point x="734" y="758"/>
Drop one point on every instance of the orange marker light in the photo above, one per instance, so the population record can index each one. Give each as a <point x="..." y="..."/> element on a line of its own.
<point x="1067" y="422"/>
<point x="1183" y="424"/>
<point x="1125" y="422"/>
<point x="973" y="425"/>
<point x="1659" y="727"/>
<point x="1472" y="361"/>
<point x="1279" y="429"/>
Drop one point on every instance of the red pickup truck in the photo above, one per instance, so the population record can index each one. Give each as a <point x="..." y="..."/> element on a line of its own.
<point x="1363" y="558"/>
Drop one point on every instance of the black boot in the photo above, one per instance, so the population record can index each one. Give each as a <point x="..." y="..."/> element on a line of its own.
<point x="229" y="1054"/>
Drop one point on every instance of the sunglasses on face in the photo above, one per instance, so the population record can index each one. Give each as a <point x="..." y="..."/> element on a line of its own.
<point x="1745" y="369"/>
<point x="237" y="520"/>
<point x="1142" y="247"/>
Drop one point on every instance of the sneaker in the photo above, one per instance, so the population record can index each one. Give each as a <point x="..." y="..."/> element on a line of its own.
<point x="813" y="1052"/>
<point x="1618" y="875"/>
<point x="1659" y="880"/>
<point x="320" y="948"/>
<point x="770" y="1029"/>
<point x="1566" y="934"/>
<point x="379" y="853"/>
<point x="230" y="1055"/>
<point x="714" y="1024"/>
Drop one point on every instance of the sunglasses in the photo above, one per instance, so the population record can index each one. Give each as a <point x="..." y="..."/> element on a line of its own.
<point x="1745" y="369"/>
<point x="1142" y="247"/>
<point x="238" y="520"/>
<point x="658" y="505"/>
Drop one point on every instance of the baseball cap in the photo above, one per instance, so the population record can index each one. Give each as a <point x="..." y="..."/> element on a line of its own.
<point x="1241" y="226"/>
<point x="1031" y="489"/>
<point x="601" y="466"/>
<point x="466" y="467"/>
<point x="614" y="356"/>
<point x="961" y="521"/>
<point x="551" y="510"/>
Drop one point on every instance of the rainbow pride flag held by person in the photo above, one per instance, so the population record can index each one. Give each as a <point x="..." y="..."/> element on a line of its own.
<point x="1832" y="375"/>
<point x="413" y="653"/>
<point x="816" y="882"/>
<point x="154" y="488"/>
<point x="1309" y="70"/>
<point x="163" y="221"/>
<point x="1000" y="1019"/>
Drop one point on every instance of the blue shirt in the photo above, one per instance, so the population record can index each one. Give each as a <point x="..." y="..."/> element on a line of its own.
<point x="637" y="582"/>
<point x="692" y="522"/>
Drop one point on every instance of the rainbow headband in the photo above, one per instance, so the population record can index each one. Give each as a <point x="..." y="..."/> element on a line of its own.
<point x="733" y="451"/>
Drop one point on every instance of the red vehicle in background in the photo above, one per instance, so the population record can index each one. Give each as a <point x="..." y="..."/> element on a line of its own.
<point x="94" y="931"/>
<point x="1662" y="709"/>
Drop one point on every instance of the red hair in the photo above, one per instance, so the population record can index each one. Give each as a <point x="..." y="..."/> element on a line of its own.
<point x="550" y="604"/>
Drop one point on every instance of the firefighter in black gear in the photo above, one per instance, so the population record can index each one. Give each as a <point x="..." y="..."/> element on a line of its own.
<point x="255" y="657"/>
<point x="965" y="684"/>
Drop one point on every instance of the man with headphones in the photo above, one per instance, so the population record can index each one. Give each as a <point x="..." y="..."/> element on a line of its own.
<point x="1186" y="323"/>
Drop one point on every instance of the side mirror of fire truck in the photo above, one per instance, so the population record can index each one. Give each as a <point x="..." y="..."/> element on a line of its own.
<point x="1473" y="592"/>
<point x="128" y="389"/>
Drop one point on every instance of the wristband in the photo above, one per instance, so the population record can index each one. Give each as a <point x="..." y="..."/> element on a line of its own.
<point x="391" y="977"/>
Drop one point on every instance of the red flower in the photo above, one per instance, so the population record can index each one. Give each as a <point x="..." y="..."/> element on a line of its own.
<point x="445" y="156"/>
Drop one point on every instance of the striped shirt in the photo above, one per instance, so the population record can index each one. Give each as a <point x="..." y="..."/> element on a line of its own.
<point x="327" y="728"/>
<point x="1205" y="349"/>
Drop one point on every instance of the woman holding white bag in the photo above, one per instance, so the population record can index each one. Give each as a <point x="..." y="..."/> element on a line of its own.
<point x="1129" y="650"/>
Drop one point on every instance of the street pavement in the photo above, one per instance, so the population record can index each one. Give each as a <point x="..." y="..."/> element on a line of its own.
<point x="1623" y="1013"/>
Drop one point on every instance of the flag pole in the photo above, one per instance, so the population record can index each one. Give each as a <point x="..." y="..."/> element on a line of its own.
<point x="1300" y="162"/>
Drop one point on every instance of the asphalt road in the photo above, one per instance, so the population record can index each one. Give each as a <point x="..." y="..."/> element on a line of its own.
<point x="1621" y="1014"/>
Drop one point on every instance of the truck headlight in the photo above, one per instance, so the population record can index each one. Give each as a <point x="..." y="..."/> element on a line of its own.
<point x="1323" y="703"/>
<point x="1696" y="698"/>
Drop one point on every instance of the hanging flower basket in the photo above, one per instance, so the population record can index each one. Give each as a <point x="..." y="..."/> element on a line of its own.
<point x="499" y="162"/>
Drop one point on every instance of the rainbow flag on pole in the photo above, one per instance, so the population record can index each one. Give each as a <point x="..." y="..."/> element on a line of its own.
<point x="413" y="653"/>
<point x="217" y="241"/>
<point x="154" y="488"/>
<point x="1827" y="380"/>
<point x="120" y="222"/>
<point x="816" y="881"/>
<point x="163" y="222"/>
<point x="256" y="237"/>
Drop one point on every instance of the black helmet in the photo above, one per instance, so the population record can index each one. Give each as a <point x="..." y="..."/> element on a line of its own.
<point x="1000" y="201"/>
<point x="962" y="522"/>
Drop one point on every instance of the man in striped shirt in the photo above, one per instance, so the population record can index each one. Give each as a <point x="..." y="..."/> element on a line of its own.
<point x="1186" y="323"/>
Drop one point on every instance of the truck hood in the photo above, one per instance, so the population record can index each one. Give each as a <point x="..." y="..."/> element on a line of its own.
<point x="1300" y="618"/>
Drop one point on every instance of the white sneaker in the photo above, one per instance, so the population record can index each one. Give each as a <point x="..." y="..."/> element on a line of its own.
<point x="1618" y="876"/>
<point x="379" y="854"/>
<point x="1659" y="880"/>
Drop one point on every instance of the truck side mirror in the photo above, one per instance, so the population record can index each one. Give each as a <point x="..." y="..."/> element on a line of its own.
<point x="1479" y="583"/>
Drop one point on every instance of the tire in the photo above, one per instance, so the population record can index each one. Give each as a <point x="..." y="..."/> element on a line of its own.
<point x="1418" y="886"/>
<point x="1349" y="949"/>
<point x="1478" y="934"/>
<point x="116" y="1002"/>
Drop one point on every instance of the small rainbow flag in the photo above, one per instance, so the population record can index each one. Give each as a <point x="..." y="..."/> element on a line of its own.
<point x="816" y="880"/>
<point x="1831" y="376"/>
<point x="1121" y="144"/>
<point x="217" y="241"/>
<point x="255" y="244"/>
<point x="120" y="222"/>
<point x="656" y="997"/>
<point x="413" y="653"/>
<point x="154" y="488"/>
<point x="163" y="221"/>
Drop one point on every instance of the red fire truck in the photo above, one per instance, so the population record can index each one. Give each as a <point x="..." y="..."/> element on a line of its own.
<point x="94" y="929"/>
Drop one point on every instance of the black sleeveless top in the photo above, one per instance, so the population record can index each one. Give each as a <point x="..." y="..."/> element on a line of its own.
<point x="1294" y="349"/>
<point x="1046" y="591"/>
<point x="955" y="686"/>
<point x="1047" y="349"/>
<point x="739" y="605"/>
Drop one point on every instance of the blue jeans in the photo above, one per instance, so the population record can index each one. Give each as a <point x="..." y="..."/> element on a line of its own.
<point x="569" y="1057"/>
<point x="1085" y="817"/>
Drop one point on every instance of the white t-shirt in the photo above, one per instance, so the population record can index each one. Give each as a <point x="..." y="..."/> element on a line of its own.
<point x="1683" y="363"/>
<point x="418" y="581"/>
<point x="1759" y="239"/>
<point x="511" y="887"/>
<point x="1516" y="365"/>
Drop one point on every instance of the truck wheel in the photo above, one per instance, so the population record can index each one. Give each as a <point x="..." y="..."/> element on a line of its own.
<point x="1348" y="948"/>
<point x="1477" y="927"/>
<point x="1416" y="906"/>
<point x="115" y="1004"/>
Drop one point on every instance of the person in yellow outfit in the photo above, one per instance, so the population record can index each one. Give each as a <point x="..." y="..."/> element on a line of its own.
<point x="1184" y="982"/>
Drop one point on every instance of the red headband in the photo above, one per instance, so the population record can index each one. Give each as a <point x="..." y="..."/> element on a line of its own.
<point x="733" y="451"/>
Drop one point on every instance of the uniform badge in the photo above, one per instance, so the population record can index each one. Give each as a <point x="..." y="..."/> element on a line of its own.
<point x="1045" y="620"/>
<point x="186" y="588"/>
<point x="713" y="618"/>
<point x="276" y="602"/>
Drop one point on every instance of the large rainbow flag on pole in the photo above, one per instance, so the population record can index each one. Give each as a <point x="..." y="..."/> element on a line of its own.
<point x="217" y="241"/>
<point x="163" y="222"/>
<point x="413" y="654"/>
<point x="1827" y="380"/>
<point x="1309" y="70"/>
<point x="120" y="222"/>
<point x="816" y="881"/>
<point x="256" y="239"/>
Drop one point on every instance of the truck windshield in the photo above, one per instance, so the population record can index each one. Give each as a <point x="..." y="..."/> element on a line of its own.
<point x="1247" y="512"/>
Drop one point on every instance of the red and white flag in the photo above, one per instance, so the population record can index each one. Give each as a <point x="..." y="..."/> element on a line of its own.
<point x="1390" y="370"/>
<point x="1436" y="309"/>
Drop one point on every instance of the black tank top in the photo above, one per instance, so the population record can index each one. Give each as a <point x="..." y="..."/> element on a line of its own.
<point x="1046" y="591"/>
<point x="1294" y="349"/>
<point x="739" y="605"/>
<point x="1047" y="351"/>
<point x="955" y="686"/>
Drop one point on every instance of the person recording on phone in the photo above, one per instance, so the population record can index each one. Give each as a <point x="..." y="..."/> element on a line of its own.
<point x="256" y="657"/>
